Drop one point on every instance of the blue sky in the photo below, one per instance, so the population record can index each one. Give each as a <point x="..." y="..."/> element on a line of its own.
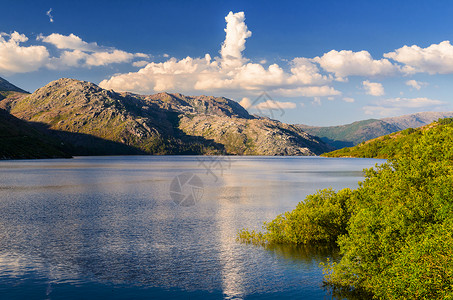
<point x="319" y="62"/>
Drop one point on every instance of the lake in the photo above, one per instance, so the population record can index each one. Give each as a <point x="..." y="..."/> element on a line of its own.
<point x="141" y="227"/>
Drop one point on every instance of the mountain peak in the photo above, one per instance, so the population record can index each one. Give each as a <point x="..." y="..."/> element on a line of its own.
<point x="5" y="86"/>
<point x="92" y="120"/>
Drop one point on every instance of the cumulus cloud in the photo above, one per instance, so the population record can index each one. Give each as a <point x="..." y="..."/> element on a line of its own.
<point x="373" y="88"/>
<point x="15" y="58"/>
<point x="78" y="53"/>
<point x="348" y="63"/>
<point x="71" y="51"/>
<point x="415" y="84"/>
<point x="236" y="34"/>
<point x="435" y="59"/>
<point x="396" y="105"/>
<point x="71" y="42"/>
<point x="229" y="72"/>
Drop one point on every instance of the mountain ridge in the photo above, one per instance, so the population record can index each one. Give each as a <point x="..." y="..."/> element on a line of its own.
<point x="393" y="145"/>
<point x="352" y="134"/>
<point x="164" y="123"/>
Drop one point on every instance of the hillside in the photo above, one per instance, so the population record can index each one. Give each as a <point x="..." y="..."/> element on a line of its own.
<point x="19" y="140"/>
<point x="94" y="121"/>
<point x="353" y="134"/>
<point x="394" y="230"/>
<point x="6" y="86"/>
<point x="393" y="145"/>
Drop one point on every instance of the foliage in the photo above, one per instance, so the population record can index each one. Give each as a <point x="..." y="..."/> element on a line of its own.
<point x="445" y="121"/>
<point x="398" y="241"/>
<point x="388" y="146"/>
<point x="321" y="218"/>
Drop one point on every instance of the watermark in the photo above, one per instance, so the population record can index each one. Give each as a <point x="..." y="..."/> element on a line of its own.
<point x="215" y="165"/>
<point x="186" y="189"/>
<point x="266" y="106"/>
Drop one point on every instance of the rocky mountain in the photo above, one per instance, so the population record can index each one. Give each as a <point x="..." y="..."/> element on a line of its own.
<point x="19" y="140"/>
<point x="5" y="86"/>
<point x="357" y="132"/>
<point x="417" y="120"/>
<point x="93" y="121"/>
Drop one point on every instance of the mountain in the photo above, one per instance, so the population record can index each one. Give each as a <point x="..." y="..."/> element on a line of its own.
<point x="393" y="145"/>
<point x="19" y="140"/>
<point x="357" y="132"/>
<point x="93" y="121"/>
<point x="5" y="86"/>
<point x="418" y="119"/>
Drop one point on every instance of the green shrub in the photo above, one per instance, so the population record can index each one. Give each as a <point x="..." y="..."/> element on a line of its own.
<point x="395" y="232"/>
<point x="321" y="218"/>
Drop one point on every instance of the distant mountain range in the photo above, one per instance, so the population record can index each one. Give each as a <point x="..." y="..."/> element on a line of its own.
<point x="85" y="119"/>
<point x="353" y="134"/>
<point x="397" y="144"/>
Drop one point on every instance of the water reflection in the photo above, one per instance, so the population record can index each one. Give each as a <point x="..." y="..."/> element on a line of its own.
<point x="97" y="223"/>
<point x="306" y="253"/>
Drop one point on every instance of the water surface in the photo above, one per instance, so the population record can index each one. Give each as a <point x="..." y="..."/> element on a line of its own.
<point x="114" y="227"/>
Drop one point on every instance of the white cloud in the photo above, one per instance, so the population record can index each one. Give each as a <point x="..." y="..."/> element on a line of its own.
<point x="268" y="105"/>
<point x="373" y="88"/>
<point x="141" y="55"/>
<point x="272" y="104"/>
<point x="15" y="58"/>
<point x="78" y="53"/>
<point x="140" y="63"/>
<point x="348" y="99"/>
<point x="304" y="71"/>
<point x="415" y="84"/>
<point x="71" y="42"/>
<point x="230" y="72"/>
<point x="308" y="91"/>
<point x="435" y="59"/>
<point x="49" y="15"/>
<point x="106" y="58"/>
<point x="246" y="103"/>
<point x="316" y="101"/>
<point x="348" y="63"/>
<point x="234" y="44"/>
<point x="398" y="105"/>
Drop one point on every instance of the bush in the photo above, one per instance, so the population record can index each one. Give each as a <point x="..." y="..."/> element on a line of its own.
<point x="395" y="232"/>
<point x="321" y="218"/>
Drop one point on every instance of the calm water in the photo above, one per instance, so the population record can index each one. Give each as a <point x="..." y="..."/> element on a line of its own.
<point x="158" y="227"/>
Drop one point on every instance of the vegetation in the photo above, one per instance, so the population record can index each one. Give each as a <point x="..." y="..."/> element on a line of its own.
<point x="19" y="140"/>
<point x="388" y="146"/>
<point x="321" y="218"/>
<point x="92" y="121"/>
<point x="395" y="231"/>
<point x="350" y="135"/>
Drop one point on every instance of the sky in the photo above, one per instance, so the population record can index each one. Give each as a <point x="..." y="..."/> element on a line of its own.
<point x="318" y="63"/>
